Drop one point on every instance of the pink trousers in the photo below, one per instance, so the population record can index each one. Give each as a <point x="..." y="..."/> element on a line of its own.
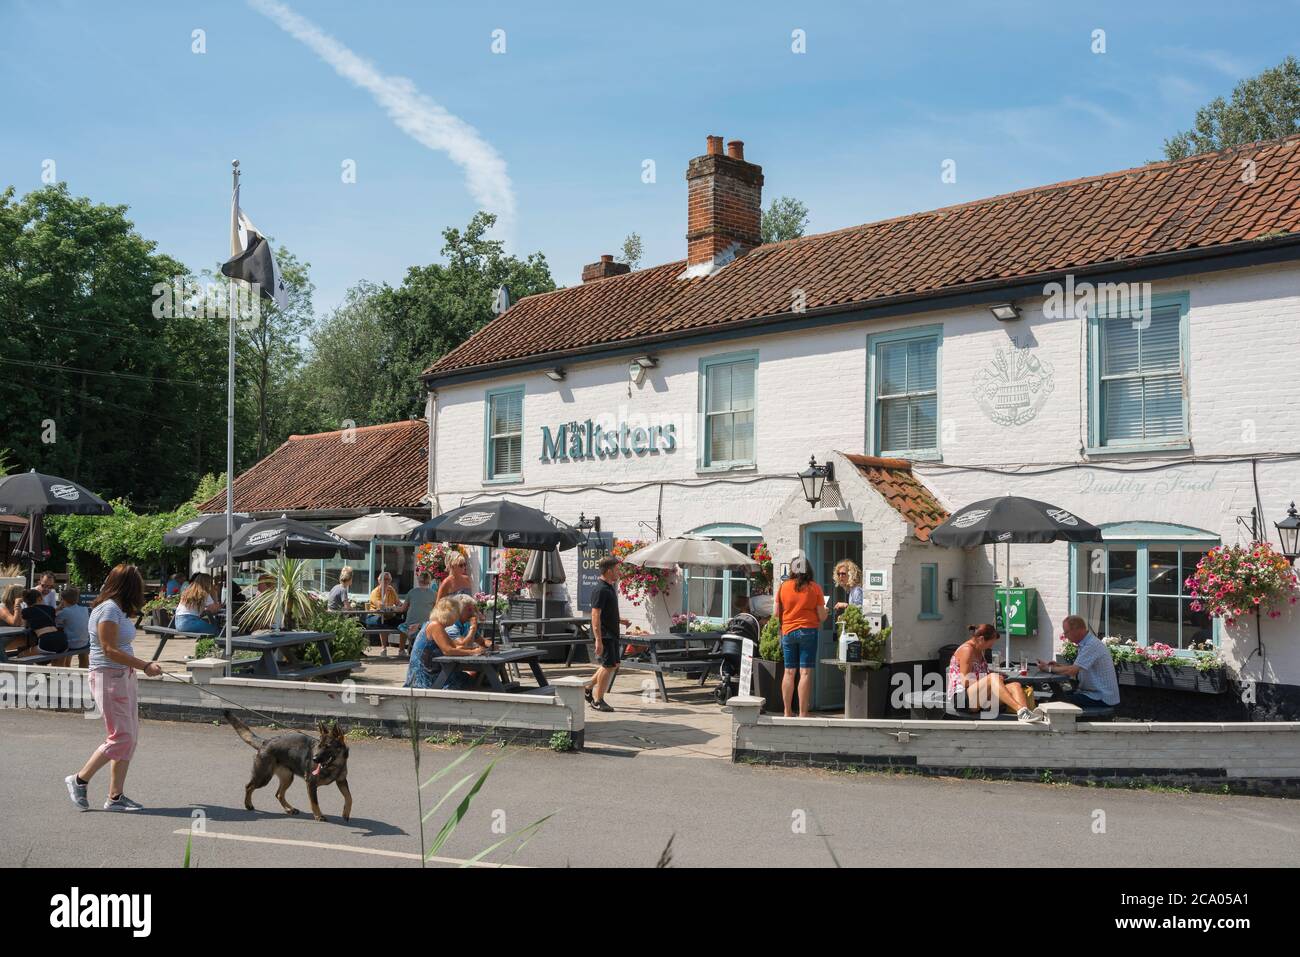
<point x="115" y="696"/>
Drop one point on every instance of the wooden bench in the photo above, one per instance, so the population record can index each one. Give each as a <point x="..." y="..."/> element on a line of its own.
<point x="318" y="671"/>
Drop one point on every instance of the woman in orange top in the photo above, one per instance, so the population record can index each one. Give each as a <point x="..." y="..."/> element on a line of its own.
<point x="800" y="607"/>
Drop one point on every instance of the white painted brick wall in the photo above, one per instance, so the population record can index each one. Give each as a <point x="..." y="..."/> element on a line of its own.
<point x="811" y="392"/>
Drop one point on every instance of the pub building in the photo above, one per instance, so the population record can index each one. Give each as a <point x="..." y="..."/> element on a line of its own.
<point x="1124" y="346"/>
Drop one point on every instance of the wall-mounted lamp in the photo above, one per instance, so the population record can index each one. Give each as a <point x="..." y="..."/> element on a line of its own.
<point x="1288" y="530"/>
<point x="814" y="479"/>
<point x="1005" y="311"/>
<point x="637" y="368"/>
<point x="556" y="375"/>
<point x="954" y="589"/>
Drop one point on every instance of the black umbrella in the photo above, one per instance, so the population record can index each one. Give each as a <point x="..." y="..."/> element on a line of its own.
<point x="1011" y="519"/>
<point x="283" y="538"/>
<point x="501" y="524"/>
<point x="31" y="544"/>
<point x="33" y="494"/>
<point x="204" y="530"/>
<point x="545" y="568"/>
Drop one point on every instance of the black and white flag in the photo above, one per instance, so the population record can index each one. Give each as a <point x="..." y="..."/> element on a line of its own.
<point x="251" y="259"/>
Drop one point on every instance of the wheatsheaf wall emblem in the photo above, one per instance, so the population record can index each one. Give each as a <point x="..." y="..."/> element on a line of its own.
<point x="1013" y="386"/>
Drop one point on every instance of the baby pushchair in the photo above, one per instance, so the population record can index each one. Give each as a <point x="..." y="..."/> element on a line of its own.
<point x="731" y="648"/>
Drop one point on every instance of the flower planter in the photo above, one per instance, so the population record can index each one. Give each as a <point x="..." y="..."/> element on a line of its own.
<point x="1171" y="677"/>
<point x="767" y="685"/>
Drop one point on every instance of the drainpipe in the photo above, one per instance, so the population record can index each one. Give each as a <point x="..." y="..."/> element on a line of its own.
<point x="431" y="416"/>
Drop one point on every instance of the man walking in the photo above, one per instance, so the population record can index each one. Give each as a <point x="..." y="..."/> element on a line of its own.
<point x="604" y="628"/>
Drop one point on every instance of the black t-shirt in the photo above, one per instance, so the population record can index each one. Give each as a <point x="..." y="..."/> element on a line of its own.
<point x="605" y="600"/>
<point x="37" y="617"/>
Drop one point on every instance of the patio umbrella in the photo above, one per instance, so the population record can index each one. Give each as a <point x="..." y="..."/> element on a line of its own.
<point x="1011" y="519"/>
<point x="545" y="568"/>
<point x="31" y="544"/>
<point x="501" y="524"/>
<point x="34" y="494"/>
<point x="689" y="550"/>
<point x="379" y="525"/>
<point x="206" y="530"/>
<point x="283" y="538"/>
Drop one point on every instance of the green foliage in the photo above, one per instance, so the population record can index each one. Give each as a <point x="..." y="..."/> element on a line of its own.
<point x="874" y="643"/>
<point x="349" y="638"/>
<point x="287" y="603"/>
<point x="561" y="741"/>
<point x="786" y="218"/>
<point x="366" y="357"/>
<point x="1262" y="107"/>
<point x="632" y="251"/>
<point x="95" y="543"/>
<point x="769" y="642"/>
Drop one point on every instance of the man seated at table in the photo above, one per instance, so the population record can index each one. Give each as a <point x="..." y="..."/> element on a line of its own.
<point x="383" y="599"/>
<point x="465" y="631"/>
<point x="433" y="641"/>
<point x="418" y="605"/>
<point x="1093" y="668"/>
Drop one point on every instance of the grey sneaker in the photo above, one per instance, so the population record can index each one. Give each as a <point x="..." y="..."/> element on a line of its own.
<point x="77" y="792"/>
<point x="123" y="803"/>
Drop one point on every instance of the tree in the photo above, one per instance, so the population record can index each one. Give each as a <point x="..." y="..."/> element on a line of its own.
<point x="1263" y="107"/>
<point x="96" y="383"/>
<point x="435" y="309"/>
<point x="632" y="251"/>
<point x="345" y="378"/>
<point x="786" y="218"/>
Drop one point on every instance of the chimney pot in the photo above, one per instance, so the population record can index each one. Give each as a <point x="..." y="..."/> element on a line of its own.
<point x="607" y="258"/>
<point x="724" y="206"/>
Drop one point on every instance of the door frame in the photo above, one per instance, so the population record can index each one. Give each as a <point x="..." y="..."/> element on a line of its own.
<point x="825" y="685"/>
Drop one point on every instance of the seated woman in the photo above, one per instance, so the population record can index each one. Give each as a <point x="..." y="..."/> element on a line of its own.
<point x="41" y="624"/>
<point x="433" y="641"/>
<point x="465" y="631"/>
<point x="972" y="687"/>
<point x="11" y="615"/>
<point x="198" y="598"/>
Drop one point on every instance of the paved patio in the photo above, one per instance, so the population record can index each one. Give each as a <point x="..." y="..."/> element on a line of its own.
<point x="691" y="724"/>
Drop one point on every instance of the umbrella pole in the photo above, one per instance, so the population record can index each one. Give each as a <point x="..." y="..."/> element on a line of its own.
<point x="1006" y="609"/>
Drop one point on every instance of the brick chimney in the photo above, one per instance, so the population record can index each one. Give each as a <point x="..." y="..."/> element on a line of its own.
<point x="724" y="203"/>
<point x="604" y="269"/>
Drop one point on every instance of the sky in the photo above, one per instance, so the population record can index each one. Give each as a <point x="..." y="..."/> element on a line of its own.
<point x="547" y="113"/>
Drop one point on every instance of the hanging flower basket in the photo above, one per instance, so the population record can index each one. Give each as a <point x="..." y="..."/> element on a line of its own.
<point x="432" y="557"/>
<point x="1232" y="581"/>
<point x="640" y="585"/>
<point x="760" y="582"/>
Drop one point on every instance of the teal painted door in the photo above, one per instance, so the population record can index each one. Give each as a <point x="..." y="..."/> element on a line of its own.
<point x="825" y="548"/>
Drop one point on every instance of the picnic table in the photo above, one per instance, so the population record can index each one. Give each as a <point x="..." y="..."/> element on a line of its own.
<point x="9" y="632"/>
<point x="288" y="645"/>
<point x="661" y="658"/>
<point x="492" y="669"/>
<point x="1045" y="685"/>
<point x="543" y="632"/>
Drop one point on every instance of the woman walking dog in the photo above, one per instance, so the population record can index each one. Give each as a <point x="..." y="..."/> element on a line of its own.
<point x="113" y="683"/>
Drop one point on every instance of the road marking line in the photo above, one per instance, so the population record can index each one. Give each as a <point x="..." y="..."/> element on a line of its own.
<point x="378" y="852"/>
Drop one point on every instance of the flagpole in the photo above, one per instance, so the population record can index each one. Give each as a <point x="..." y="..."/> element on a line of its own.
<point x="231" y="306"/>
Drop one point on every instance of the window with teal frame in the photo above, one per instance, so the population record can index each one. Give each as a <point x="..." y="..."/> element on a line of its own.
<point x="1137" y="379"/>
<point x="929" y="592"/>
<point x="710" y="593"/>
<point x="1135" y="587"/>
<point x="503" y="438"/>
<point x="904" y="372"/>
<point x="727" y="410"/>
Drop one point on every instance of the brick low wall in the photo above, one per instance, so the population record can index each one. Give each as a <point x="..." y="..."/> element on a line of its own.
<point x="1250" y="757"/>
<point x="511" y="718"/>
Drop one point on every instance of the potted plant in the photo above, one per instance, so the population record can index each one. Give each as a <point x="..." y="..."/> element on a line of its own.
<point x="1161" y="666"/>
<point x="1232" y="581"/>
<point x="769" y="669"/>
<point x="681" y="624"/>
<point x="287" y="603"/>
<point x="640" y="585"/>
<point x="11" y="575"/>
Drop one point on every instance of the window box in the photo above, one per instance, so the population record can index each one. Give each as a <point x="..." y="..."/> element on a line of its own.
<point x="1172" y="677"/>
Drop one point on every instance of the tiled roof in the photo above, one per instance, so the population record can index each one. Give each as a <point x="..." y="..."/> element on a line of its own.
<point x="894" y="480"/>
<point x="384" y="466"/>
<point x="1121" y="217"/>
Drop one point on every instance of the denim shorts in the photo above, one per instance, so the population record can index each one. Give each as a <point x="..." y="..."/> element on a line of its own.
<point x="799" y="647"/>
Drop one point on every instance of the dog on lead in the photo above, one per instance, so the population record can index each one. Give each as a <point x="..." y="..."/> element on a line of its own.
<point x="318" y="763"/>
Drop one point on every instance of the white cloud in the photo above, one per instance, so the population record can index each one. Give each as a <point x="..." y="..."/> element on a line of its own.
<point x="415" y="114"/>
<point x="1217" y="60"/>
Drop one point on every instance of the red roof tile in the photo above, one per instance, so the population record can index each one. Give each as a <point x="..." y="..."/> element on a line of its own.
<point x="386" y="466"/>
<point x="894" y="480"/>
<point x="1116" y="218"/>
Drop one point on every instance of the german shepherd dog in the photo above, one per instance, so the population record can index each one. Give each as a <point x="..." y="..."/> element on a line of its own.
<point x="318" y="763"/>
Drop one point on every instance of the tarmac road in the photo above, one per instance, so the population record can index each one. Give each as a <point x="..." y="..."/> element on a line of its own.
<point x="609" y="809"/>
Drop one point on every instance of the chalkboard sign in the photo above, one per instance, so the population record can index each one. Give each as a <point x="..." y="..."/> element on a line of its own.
<point x="589" y="556"/>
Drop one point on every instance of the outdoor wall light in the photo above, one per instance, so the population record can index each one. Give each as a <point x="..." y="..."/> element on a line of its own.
<point x="1289" y="531"/>
<point x="556" y="375"/>
<point x="814" y="479"/>
<point x="1005" y="311"/>
<point x="586" y="524"/>
<point x="637" y="368"/>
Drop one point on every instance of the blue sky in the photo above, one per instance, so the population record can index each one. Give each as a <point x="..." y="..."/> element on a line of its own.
<point x="560" y="124"/>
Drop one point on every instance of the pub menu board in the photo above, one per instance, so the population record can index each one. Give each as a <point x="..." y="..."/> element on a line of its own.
<point x="589" y="556"/>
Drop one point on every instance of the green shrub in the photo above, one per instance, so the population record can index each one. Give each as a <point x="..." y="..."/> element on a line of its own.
<point x="349" y="639"/>
<point x="561" y="741"/>
<point x="769" y="642"/>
